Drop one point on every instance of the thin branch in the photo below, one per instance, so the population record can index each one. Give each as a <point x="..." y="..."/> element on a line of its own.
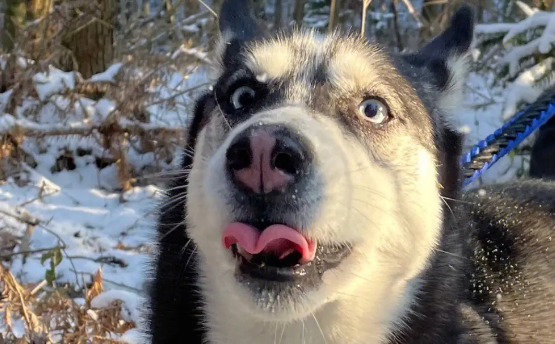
<point x="365" y="5"/>
<point x="333" y="15"/>
<point x="414" y="13"/>
<point x="138" y="291"/>
<point x="40" y="250"/>
<point x="209" y="8"/>
<point x="31" y="129"/>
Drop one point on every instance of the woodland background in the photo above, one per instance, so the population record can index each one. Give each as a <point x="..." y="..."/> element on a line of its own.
<point x="95" y="97"/>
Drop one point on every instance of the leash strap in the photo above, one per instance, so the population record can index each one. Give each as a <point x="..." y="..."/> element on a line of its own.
<point x="488" y="151"/>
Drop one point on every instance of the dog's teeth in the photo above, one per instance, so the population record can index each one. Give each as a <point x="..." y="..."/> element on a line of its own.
<point x="244" y="253"/>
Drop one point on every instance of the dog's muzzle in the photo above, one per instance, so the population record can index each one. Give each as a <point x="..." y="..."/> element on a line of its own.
<point x="267" y="158"/>
<point x="275" y="192"/>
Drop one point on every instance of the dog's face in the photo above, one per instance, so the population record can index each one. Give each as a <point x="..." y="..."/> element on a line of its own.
<point x="317" y="167"/>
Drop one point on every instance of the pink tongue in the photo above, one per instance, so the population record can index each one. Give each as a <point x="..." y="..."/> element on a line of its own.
<point x="276" y="239"/>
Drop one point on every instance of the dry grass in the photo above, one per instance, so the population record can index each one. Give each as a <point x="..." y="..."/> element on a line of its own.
<point x="51" y="316"/>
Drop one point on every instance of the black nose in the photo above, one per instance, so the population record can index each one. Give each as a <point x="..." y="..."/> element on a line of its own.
<point x="265" y="158"/>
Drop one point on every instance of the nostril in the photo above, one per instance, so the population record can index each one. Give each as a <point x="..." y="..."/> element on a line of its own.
<point x="287" y="162"/>
<point x="239" y="155"/>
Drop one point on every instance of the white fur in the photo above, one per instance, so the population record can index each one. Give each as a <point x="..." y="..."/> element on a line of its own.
<point x="452" y="96"/>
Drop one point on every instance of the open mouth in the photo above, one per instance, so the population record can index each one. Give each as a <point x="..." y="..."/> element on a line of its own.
<point x="280" y="253"/>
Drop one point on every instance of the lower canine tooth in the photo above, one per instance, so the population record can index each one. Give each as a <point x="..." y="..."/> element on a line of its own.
<point x="243" y="253"/>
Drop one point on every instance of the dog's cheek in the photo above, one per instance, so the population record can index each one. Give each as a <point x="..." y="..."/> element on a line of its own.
<point x="358" y="191"/>
<point x="419" y="206"/>
<point x="204" y="220"/>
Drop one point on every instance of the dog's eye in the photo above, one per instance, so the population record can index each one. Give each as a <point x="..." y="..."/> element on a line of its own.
<point x="241" y="97"/>
<point x="374" y="111"/>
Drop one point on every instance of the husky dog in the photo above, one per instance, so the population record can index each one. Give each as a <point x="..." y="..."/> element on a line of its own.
<point x="319" y="203"/>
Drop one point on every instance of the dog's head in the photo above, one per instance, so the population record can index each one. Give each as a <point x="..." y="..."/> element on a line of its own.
<point x="319" y="165"/>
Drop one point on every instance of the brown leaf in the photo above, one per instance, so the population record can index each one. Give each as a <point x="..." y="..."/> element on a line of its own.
<point x="96" y="288"/>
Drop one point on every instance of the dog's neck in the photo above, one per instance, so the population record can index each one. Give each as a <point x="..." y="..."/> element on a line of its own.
<point x="361" y="317"/>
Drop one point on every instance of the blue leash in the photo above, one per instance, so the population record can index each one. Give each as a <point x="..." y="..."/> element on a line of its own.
<point x="488" y="151"/>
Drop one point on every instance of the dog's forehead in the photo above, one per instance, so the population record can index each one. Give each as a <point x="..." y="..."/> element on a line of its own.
<point x="344" y="61"/>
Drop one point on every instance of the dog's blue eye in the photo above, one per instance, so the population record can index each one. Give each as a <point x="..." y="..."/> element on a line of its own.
<point x="242" y="97"/>
<point x="374" y="111"/>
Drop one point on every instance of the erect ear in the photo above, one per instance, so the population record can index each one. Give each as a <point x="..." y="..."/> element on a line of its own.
<point x="444" y="58"/>
<point x="237" y="26"/>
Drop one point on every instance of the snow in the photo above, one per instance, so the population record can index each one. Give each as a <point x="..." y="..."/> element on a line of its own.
<point x="104" y="108"/>
<point x="192" y="52"/>
<point x="6" y="123"/>
<point x="54" y="81"/>
<point x="109" y="75"/>
<point x="4" y="99"/>
<point x="535" y="19"/>
<point x="516" y="54"/>
<point x="547" y="39"/>
<point x="131" y="303"/>
<point x="525" y="89"/>
<point x="132" y="336"/>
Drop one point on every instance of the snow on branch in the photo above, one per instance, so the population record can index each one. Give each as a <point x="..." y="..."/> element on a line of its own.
<point x="528" y="86"/>
<point x="543" y="44"/>
<point x="548" y="38"/>
<point x="10" y="125"/>
<point x="516" y="54"/>
<point x="536" y="18"/>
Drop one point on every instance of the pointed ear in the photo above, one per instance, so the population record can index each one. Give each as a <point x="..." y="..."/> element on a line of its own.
<point x="456" y="39"/>
<point x="237" y="26"/>
<point x="445" y="58"/>
<point x="237" y="20"/>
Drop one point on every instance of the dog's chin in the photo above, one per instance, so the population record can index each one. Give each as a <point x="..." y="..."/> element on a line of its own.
<point x="285" y="290"/>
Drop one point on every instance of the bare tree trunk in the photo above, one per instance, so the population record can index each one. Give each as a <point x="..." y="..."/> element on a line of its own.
<point x="334" y="14"/>
<point x="278" y="13"/>
<point x="14" y="19"/>
<point x="92" y="39"/>
<point x="39" y="35"/>
<point x="298" y="12"/>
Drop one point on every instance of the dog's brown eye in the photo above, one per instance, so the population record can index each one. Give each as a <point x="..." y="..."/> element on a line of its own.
<point x="242" y="97"/>
<point x="374" y="111"/>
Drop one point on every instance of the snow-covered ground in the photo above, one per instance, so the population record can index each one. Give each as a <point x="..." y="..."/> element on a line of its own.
<point x="80" y="209"/>
<point x="99" y="227"/>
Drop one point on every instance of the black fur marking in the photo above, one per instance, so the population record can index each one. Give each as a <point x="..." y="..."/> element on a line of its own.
<point x="456" y="39"/>
<point x="449" y="149"/>
<point x="175" y="305"/>
<point x="237" y="20"/>
<point x="238" y="26"/>
<point x="512" y="250"/>
<point x="453" y="42"/>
